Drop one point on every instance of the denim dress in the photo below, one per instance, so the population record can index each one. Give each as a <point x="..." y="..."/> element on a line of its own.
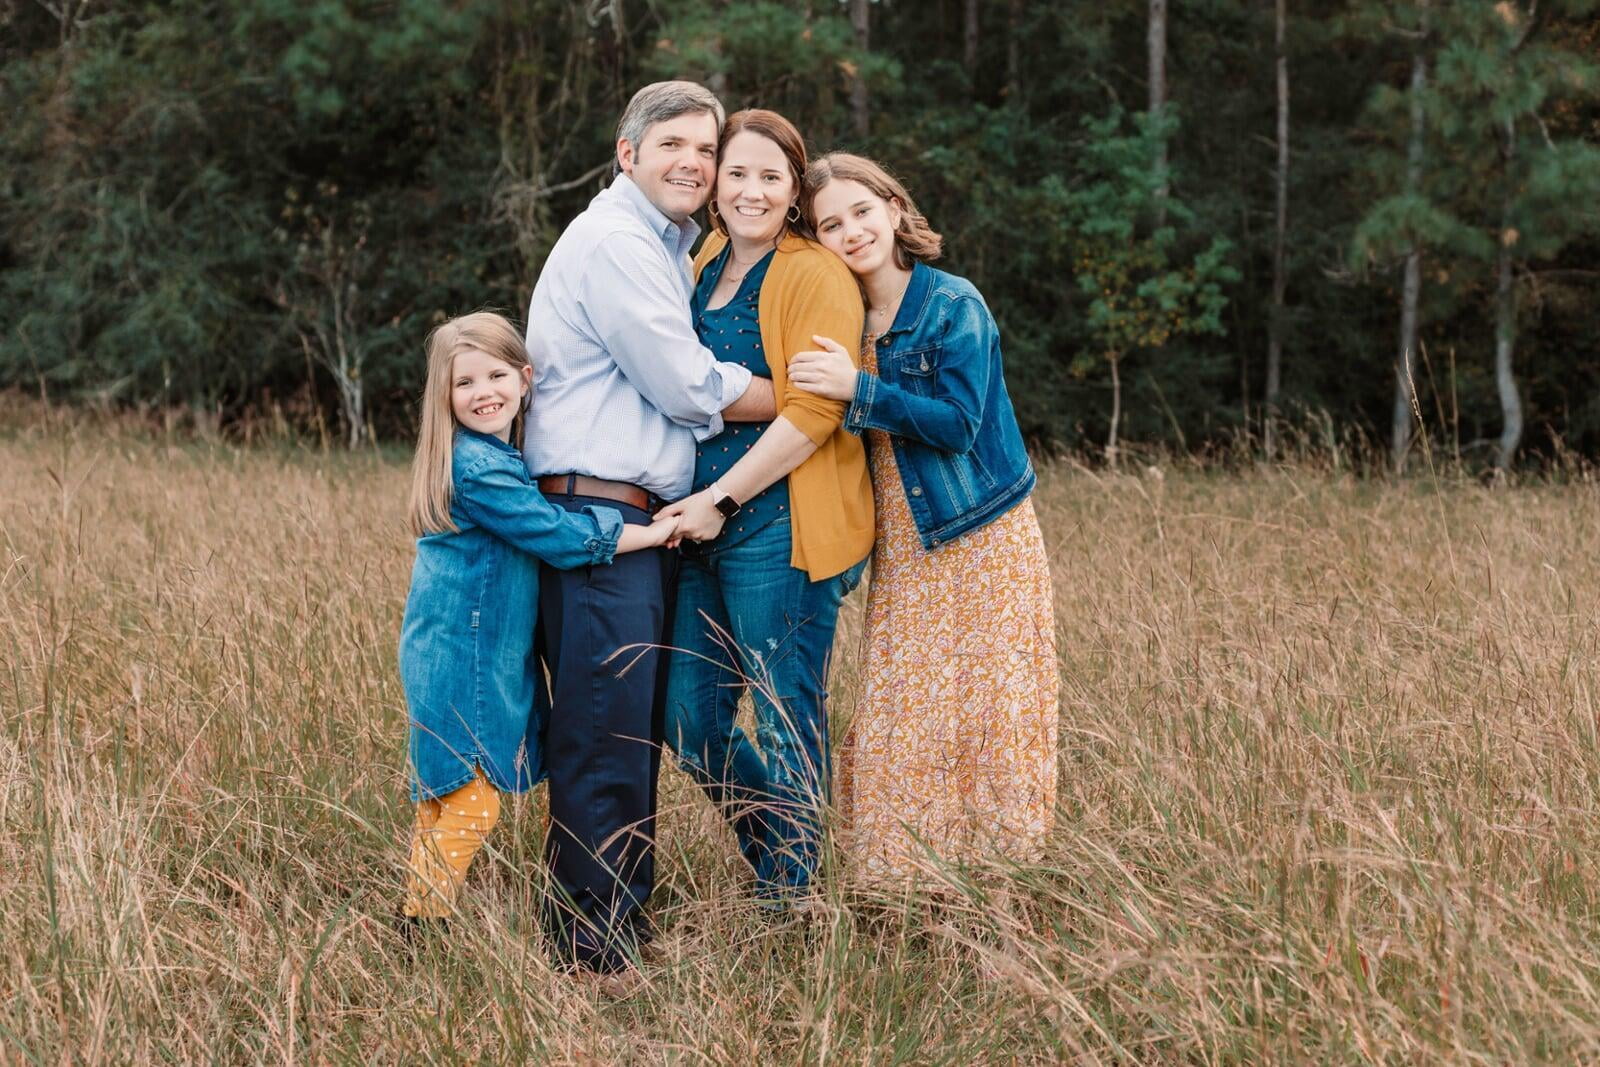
<point x="476" y="696"/>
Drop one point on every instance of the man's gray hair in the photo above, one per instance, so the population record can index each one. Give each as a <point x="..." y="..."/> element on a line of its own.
<point x="662" y="102"/>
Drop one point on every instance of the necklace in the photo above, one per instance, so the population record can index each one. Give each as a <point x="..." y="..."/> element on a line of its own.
<point x="889" y="305"/>
<point x="733" y="260"/>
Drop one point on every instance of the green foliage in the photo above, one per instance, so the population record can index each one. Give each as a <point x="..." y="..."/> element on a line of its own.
<point x="154" y="217"/>
<point x="1119" y="233"/>
<point x="1488" y="67"/>
<point x="1140" y="295"/>
<point x="193" y="196"/>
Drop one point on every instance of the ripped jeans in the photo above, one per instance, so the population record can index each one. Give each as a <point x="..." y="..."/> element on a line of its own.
<point x="747" y="620"/>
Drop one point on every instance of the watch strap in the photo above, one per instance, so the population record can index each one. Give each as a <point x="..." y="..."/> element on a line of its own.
<point x="724" y="503"/>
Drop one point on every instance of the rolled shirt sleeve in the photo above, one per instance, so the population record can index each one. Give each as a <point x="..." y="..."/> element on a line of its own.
<point x="637" y="312"/>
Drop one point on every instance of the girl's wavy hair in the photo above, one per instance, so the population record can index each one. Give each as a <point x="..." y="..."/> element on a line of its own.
<point x="914" y="239"/>
<point x="432" y="468"/>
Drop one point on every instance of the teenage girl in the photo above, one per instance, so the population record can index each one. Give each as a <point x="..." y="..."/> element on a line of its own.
<point x="476" y="699"/>
<point x="952" y="748"/>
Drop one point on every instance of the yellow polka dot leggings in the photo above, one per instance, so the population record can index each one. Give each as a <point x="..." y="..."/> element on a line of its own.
<point x="448" y="833"/>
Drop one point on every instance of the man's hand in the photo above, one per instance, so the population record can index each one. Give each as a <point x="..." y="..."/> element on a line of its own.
<point x="698" y="518"/>
<point x="830" y="372"/>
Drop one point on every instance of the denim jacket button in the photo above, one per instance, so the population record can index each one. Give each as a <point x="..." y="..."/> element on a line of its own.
<point x="935" y="542"/>
<point x="924" y="365"/>
<point x="916" y="490"/>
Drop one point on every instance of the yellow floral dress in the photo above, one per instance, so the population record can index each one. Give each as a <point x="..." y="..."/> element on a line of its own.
<point x="952" y="747"/>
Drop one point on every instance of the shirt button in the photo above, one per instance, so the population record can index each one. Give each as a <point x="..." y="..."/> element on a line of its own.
<point x="916" y="490"/>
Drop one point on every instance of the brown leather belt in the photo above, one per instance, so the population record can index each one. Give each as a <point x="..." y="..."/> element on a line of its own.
<point x="583" y="485"/>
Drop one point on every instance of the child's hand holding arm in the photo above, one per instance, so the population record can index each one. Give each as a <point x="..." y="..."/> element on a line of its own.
<point x="658" y="533"/>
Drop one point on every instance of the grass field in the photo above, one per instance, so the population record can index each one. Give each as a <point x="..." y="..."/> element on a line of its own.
<point x="1330" y="793"/>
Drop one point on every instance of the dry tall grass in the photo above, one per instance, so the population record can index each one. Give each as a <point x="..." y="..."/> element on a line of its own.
<point x="1331" y="793"/>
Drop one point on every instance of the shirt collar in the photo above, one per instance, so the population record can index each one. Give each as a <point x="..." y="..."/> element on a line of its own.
<point x="487" y="438"/>
<point x="915" y="300"/>
<point x="678" y="237"/>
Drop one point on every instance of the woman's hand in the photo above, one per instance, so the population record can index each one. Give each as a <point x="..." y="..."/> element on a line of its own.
<point x="697" y="517"/>
<point x="829" y="372"/>
<point x="635" y="536"/>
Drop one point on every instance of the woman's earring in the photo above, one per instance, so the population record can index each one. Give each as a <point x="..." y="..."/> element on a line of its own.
<point x="793" y="214"/>
<point x="711" y="208"/>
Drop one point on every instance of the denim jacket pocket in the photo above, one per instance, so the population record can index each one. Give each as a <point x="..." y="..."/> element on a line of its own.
<point x="914" y="368"/>
<point x="978" y="472"/>
<point x="958" y="477"/>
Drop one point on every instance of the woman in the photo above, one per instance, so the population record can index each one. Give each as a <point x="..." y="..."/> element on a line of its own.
<point x="952" y="749"/>
<point x="780" y="523"/>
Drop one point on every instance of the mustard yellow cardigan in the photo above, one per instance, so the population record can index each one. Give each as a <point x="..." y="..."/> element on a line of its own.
<point x="808" y="290"/>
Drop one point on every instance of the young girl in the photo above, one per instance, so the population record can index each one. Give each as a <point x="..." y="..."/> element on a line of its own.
<point x="466" y="644"/>
<point x="953" y="744"/>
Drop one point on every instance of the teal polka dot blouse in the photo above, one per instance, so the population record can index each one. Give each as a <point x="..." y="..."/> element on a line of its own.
<point x="733" y="333"/>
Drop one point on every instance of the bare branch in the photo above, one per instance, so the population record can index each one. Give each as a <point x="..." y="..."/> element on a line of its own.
<point x="560" y="187"/>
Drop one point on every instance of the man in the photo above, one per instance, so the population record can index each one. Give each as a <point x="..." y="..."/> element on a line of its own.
<point x="623" y="391"/>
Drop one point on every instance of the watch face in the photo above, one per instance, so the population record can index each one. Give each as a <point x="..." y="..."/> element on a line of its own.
<point x="728" y="506"/>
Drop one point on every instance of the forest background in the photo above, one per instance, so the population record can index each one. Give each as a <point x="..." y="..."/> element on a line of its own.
<point x="1268" y="222"/>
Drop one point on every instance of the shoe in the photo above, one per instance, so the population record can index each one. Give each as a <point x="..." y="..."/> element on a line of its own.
<point x="413" y="929"/>
<point x="661" y="948"/>
<point x="615" y="985"/>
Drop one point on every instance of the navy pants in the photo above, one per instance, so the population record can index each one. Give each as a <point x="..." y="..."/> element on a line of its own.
<point x="601" y="630"/>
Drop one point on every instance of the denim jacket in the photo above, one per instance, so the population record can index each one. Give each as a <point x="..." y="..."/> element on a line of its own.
<point x="940" y="395"/>
<point x="467" y="664"/>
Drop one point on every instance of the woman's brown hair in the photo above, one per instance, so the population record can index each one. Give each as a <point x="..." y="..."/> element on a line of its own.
<point x="914" y="239"/>
<point x="781" y="132"/>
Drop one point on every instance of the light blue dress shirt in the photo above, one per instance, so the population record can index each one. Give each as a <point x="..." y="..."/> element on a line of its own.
<point x="622" y="386"/>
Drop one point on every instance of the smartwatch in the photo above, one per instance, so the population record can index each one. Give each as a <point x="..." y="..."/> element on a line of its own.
<point x="724" y="503"/>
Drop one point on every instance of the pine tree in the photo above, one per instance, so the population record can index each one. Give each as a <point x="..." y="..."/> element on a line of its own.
<point x="1120" y="229"/>
<point x="1523" y="192"/>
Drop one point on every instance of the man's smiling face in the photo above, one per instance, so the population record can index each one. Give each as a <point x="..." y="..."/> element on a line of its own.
<point x="674" y="163"/>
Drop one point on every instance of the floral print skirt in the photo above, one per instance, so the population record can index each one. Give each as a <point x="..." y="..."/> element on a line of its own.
<point x="952" y="747"/>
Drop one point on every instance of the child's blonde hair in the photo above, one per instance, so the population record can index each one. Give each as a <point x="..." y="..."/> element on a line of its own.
<point x="431" y="468"/>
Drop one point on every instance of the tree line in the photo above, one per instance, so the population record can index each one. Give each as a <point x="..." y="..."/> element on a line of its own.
<point x="1356" y="222"/>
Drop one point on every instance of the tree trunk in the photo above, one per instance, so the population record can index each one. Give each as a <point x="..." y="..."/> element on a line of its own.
<point x="1116" y="410"/>
<point x="1405" y="395"/>
<point x="346" y="362"/>
<point x="1505" y="318"/>
<point x="969" y="51"/>
<point x="1280" y="239"/>
<point x="1157" y="41"/>
<point x="860" y="105"/>
<point x="1014" y="53"/>
<point x="823" y="132"/>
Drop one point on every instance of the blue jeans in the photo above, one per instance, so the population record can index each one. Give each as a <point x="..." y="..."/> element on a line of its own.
<point x="747" y="620"/>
